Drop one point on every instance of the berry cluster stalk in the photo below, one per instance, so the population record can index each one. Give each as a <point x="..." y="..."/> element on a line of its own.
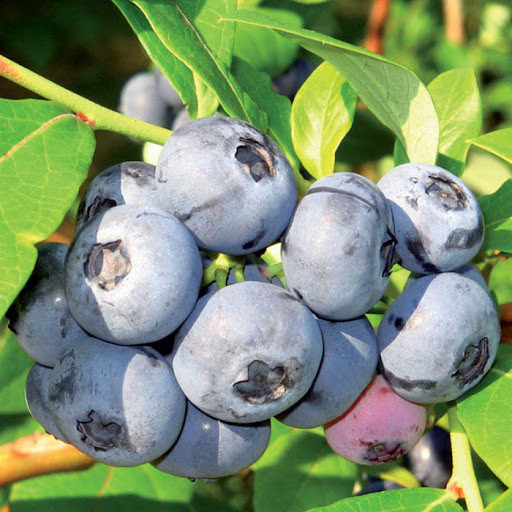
<point x="463" y="481"/>
<point x="100" y="118"/>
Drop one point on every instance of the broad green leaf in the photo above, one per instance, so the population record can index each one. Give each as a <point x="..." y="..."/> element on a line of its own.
<point x="393" y="93"/>
<point x="207" y="102"/>
<point x="45" y="154"/>
<point x="401" y="500"/>
<point x="262" y="48"/>
<point x="103" y="489"/>
<point x="457" y="102"/>
<point x="205" y="15"/>
<point x="176" y="30"/>
<point x="322" y="114"/>
<point x="485" y="172"/>
<point x="486" y="413"/>
<point x="498" y="142"/>
<point x="399" y="154"/>
<point x="500" y="281"/>
<point x="502" y="504"/>
<point x="178" y="74"/>
<point x="277" y="107"/>
<point x="4" y="496"/>
<point x="491" y="488"/>
<point x="219" y="38"/>
<point x="301" y="472"/>
<point x="497" y="211"/>
<point x="15" y="365"/>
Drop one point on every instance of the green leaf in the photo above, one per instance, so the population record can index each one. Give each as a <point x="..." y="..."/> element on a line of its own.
<point x="301" y="472"/>
<point x="103" y="489"/>
<point x="498" y="143"/>
<point x="393" y="93"/>
<point x="497" y="171"/>
<point x="176" y="31"/>
<point x="502" y="504"/>
<point x="403" y="500"/>
<point x="399" y="154"/>
<point x="277" y="107"/>
<point x="486" y="413"/>
<point x="497" y="212"/>
<point x="500" y="281"/>
<point x="4" y="496"/>
<point x="14" y="362"/>
<point x="181" y="78"/>
<point x="46" y="152"/>
<point x="15" y="365"/>
<point x="205" y="15"/>
<point x="322" y="114"/>
<point x="262" y="48"/>
<point x="457" y="101"/>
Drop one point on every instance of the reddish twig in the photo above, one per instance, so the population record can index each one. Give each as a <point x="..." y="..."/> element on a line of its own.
<point x="38" y="454"/>
<point x="454" y="21"/>
<point x="379" y="14"/>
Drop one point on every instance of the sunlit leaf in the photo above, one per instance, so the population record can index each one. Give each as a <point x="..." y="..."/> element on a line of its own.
<point x="486" y="413"/>
<point x="393" y="93"/>
<point x="322" y="114"/>
<point x="45" y="155"/>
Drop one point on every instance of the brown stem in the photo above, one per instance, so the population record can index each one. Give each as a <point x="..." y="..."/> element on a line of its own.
<point x="38" y="454"/>
<point x="454" y="21"/>
<point x="506" y="312"/>
<point x="379" y="14"/>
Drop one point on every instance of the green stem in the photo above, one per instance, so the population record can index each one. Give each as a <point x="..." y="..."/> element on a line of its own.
<point x="100" y="118"/>
<point x="221" y="277"/>
<point x="463" y="480"/>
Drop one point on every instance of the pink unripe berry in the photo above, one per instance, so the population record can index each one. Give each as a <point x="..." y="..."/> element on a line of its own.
<point x="380" y="427"/>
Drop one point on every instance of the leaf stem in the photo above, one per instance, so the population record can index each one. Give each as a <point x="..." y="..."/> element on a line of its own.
<point x="463" y="481"/>
<point x="38" y="454"/>
<point x="99" y="117"/>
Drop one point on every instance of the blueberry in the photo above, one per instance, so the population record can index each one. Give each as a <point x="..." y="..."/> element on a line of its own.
<point x="209" y="448"/>
<point x="132" y="275"/>
<point x="120" y="405"/>
<point x="182" y="118"/>
<point x="247" y="352"/>
<point x="438" y="222"/>
<point x="431" y="459"/>
<point x="229" y="184"/>
<point x="439" y="338"/>
<point x="338" y="249"/>
<point x="380" y="427"/>
<point x="141" y="100"/>
<point x="40" y="316"/>
<point x="37" y="398"/>
<point x="125" y="183"/>
<point x="348" y="364"/>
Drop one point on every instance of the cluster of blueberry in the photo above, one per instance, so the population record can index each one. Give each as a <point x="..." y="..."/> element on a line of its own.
<point x="233" y="358"/>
